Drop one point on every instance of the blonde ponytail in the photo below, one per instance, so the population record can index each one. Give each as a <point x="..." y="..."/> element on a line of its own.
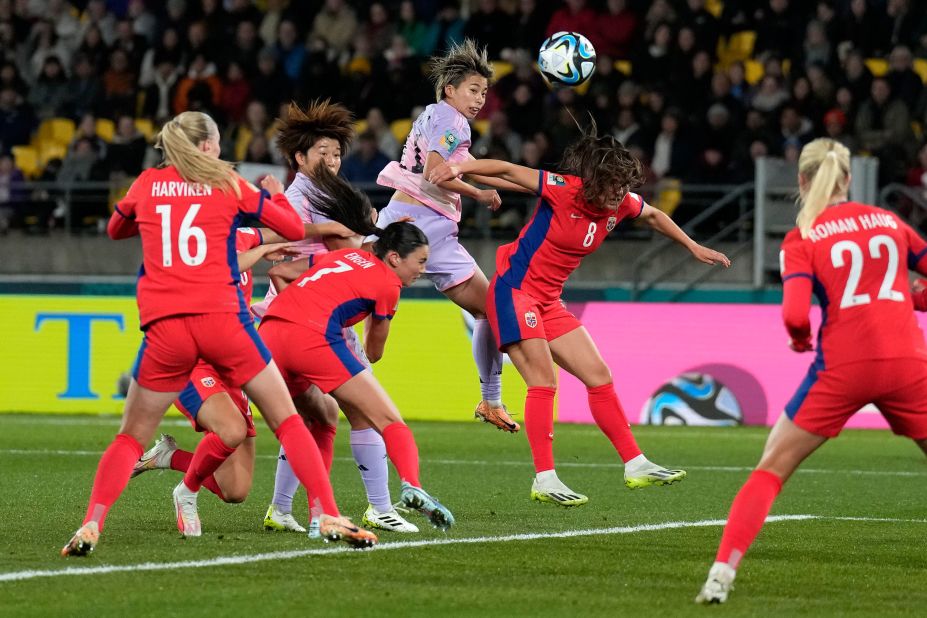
<point x="824" y="165"/>
<point x="179" y="140"/>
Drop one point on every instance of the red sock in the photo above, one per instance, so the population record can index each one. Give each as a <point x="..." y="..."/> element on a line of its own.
<point x="402" y="451"/>
<point x="210" y="453"/>
<point x="609" y="416"/>
<point x="748" y="512"/>
<point x="180" y="461"/>
<point x="324" y="436"/>
<point x="539" y="425"/>
<point x="303" y="455"/>
<point x="112" y="476"/>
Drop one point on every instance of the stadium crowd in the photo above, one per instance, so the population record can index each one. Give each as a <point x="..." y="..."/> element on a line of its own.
<point x="696" y="88"/>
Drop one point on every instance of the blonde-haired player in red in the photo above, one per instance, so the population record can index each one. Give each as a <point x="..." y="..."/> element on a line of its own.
<point x="870" y="349"/>
<point x="187" y="211"/>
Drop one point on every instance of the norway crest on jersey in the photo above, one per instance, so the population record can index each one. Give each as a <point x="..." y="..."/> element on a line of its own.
<point x="208" y="381"/>
<point x="611" y="223"/>
<point x="556" y="180"/>
<point x="531" y="319"/>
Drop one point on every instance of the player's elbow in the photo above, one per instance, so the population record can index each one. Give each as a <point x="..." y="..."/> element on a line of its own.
<point x="374" y="353"/>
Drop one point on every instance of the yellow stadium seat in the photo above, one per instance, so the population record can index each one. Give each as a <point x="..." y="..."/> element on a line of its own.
<point x="877" y="66"/>
<point x="669" y="195"/>
<point x="145" y="127"/>
<point x="753" y="71"/>
<point x="501" y="68"/>
<point x="400" y="129"/>
<point x="241" y="143"/>
<point x="59" y="130"/>
<point x="26" y="159"/>
<point x="917" y="129"/>
<point x="920" y="67"/>
<point x="106" y="129"/>
<point x="715" y="7"/>
<point x="360" y="126"/>
<point x="786" y="66"/>
<point x="739" y="47"/>
<point x="481" y="126"/>
<point x="51" y="150"/>
<point x="624" y="66"/>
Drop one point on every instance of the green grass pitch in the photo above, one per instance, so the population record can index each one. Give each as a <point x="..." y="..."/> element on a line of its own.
<point x="827" y="565"/>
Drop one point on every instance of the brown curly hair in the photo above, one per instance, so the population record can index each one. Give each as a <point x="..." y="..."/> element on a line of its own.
<point x="604" y="164"/>
<point x="301" y="129"/>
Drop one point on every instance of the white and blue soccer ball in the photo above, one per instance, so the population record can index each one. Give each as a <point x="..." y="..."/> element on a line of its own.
<point x="567" y="59"/>
<point x="693" y="399"/>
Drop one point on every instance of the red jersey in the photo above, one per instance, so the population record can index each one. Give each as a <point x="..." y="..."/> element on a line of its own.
<point x="340" y="289"/>
<point x="564" y="229"/>
<point x="856" y="260"/>
<point x="188" y="241"/>
<point x="247" y="238"/>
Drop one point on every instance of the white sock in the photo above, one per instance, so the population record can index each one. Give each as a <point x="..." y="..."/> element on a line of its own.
<point x="547" y="476"/>
<point x="634" y="465"/>
<point x="369" y="452"/>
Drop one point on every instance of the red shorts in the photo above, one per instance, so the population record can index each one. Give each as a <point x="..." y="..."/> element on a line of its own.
<point x="515" y="315"/>
<point x="204" y="383"/>
<point x="827" y="398"/>
<point x="174" y="345"/>
<point x="306" y="357"/>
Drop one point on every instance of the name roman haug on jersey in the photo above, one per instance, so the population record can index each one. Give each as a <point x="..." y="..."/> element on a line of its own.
<point x="359" y="260"/>
<point x="849" y="224"/>
<point x="173" y="188"/>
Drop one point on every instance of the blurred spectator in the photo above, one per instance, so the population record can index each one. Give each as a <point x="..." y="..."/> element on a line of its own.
<point x="856" y="75"/>
<point x="270" y="86"/>
<point x="575" y="16"/>
<point x="378" y="29"/>
<point x="97" y="16"/>
<point x="200" y="88"/>
<point x="655" y="62"/>
<point x="778" y="30"/>
<point x="159" y="95"/>
<point x="127" y="150"/>
<point x="256" y="121"/>
<point x="705" y="25"/>
<point x="258" y="150"/>
<point x="131" y="43"/>
<point x="917" y="174"/>
<point x="659" y="12"/>
<point x="49" y="95"/>
<point x="240" y="12"/>
<point x="446" y="30"/>
<point x="12" y="191"/>
<point x="290" y="51"/>
<point x="169" y="49"/>
<point x="770" y="96"/>
<point x="11" y="78"/>
<point x="673" y="150"/>
<point x="269" y="23"/>
<point x="245" y="50"/>
<point x="83" y="164"/>
<point x="499" y="136"/>
<point x="236" y="92"/>
<point x="817" y="48"/>
<point x="87" y="130"/>
<point x="902" y="25"/>
<point x="335" y="24"/>
<point x="627" y="129"/>
<point x="808" y="106"/>
<point x="144" y="23"/>
<point x="856" y="25"/>
<point x="714" y="160"/>
<point x="44" y="43"/>
<point x="66" y="26"/>
<point x="883" y="127"/>
<point x="119" y="84"/>
<point x="835" y="125"/>
<point x="906" y="85"/>
<point x="616" y="30"/>
<point x="412" y="29"/>
<point x="386" y="141"/>
<point x="85" y="90"/>
<point x="366" y="162"/>
<point x="176" y="16"/>
<point x="793" y="126"/>
<point x="95" y="49"/>
<point x="320" y="77"/>
<point x="528" y="27"/>
<point x="213" y="15"/>
<point x="490" y="26"/>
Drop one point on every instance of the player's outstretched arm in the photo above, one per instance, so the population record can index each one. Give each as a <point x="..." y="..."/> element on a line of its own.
<point x="658" y="220"/>
<point x="271" y="251"/>
<point x="312" y="230"/>
<point x="520" y="176"/>
<point x="284" y="273"/>
<point x="487" y="197"/>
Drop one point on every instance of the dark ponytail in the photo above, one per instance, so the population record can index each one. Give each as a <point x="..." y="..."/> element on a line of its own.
<point x="401" y="237"/>
<point x="337" y="200"/>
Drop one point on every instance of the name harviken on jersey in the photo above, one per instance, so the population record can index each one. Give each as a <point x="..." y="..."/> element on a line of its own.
<point x="851" y="224"/>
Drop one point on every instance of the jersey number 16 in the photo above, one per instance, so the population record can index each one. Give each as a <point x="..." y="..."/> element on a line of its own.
<point x="187" y="232"/>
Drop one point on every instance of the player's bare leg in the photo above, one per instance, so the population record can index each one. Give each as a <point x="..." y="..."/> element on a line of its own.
<point x="471" y="297"/>
<point x="363" y="394"/>
<point x="144" y="409"/>
<point x="269" y="392"/>
<point x="787" y="446"/>
<point x="922" y="444"/>
<point x="577" y="354"/>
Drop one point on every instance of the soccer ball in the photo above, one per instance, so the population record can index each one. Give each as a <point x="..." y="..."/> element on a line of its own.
<point x="566" y="58"/>
<point x="692" y="399"/>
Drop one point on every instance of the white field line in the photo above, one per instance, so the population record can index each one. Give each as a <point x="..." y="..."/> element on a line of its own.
<point x="501" y="462"/>
<point x="288" y="555"/>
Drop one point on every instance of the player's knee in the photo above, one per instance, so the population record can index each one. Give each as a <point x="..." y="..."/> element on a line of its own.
<point x="232" y="433"/>
<point x="237" y="493"/>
